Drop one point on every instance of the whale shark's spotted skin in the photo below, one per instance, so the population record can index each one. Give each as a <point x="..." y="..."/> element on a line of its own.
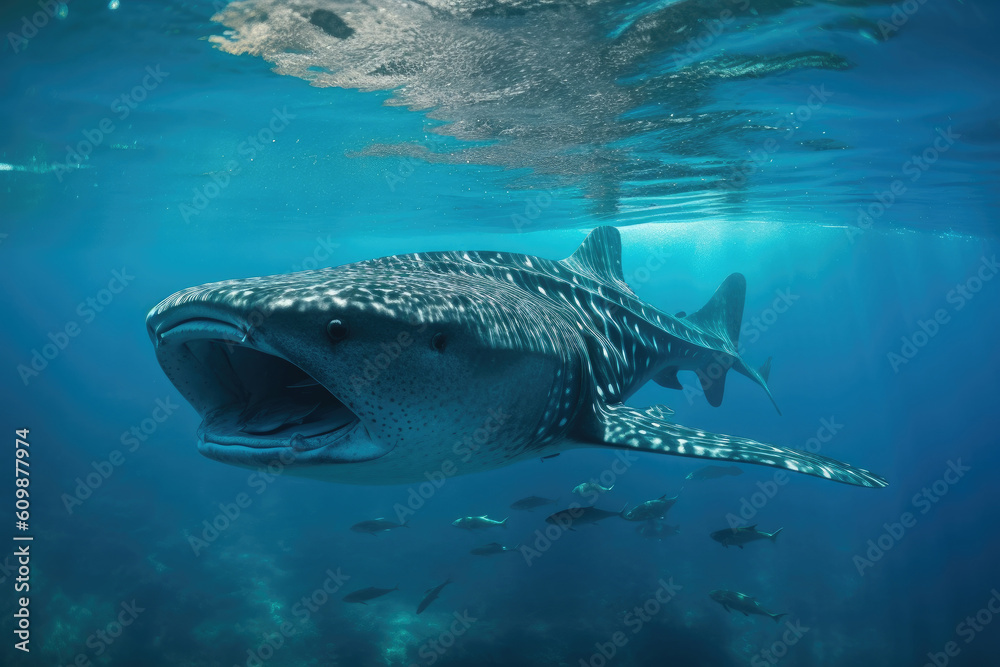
<point x="404" y="364"/>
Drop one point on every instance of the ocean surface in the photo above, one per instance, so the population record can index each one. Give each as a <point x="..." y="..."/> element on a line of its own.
<point x="844" y="156"/>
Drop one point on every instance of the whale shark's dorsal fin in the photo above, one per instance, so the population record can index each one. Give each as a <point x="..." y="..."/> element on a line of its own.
<point x="600" y="257"/>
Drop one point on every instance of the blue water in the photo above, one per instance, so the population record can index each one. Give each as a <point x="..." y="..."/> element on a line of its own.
<point x="845" y="163"/>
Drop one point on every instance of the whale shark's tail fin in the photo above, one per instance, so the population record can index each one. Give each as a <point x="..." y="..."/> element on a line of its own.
<point x="723" y="314"/>
<point x="722" y="317"/>
<point x="599" y="257"/>
<point x="774" y="535"/>
<point x="778" y="617"/>
<point x="758" y="375"/>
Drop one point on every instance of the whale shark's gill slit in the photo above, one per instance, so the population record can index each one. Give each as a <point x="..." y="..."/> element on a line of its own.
<point x="264" y="400"/>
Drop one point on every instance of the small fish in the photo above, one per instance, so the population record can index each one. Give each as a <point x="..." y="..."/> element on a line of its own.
<point x="739" y="536"/>
<point x="376" y="526"/>
<point x="478" y="522"/>
<point x="714" y="472"/>
<point x="651" y="509"/>
<point x="531" y="502"/>
<point x="492" y="548"/>
<point x="432" y="594"/>
<point x="591" y="488"/>
<point x="743" y="603"/>
<point x="580" y="515"/>
<point x="655" y="530"/>
<point x="369" y="593"/>
<point x="550" y="456"/>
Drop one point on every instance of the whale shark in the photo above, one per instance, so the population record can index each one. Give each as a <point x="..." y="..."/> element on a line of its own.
<point x="403" y="368"/>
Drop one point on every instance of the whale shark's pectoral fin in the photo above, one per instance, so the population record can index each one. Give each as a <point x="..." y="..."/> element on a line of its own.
<point x="648" y="430"/>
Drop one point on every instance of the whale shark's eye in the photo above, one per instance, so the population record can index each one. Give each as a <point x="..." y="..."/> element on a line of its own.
<point x="439" y="341"/>
<point x="336" y="330"/>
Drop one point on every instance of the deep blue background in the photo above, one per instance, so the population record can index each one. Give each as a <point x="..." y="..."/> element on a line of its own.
<point x="303" y="195"/>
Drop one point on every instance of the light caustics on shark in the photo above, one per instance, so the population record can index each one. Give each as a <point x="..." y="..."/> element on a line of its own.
<point x="388" y="369"/>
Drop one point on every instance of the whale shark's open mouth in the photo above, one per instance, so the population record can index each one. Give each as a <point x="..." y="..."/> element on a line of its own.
<point x="273" y="402"/>
<point x="254" y="401"/>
